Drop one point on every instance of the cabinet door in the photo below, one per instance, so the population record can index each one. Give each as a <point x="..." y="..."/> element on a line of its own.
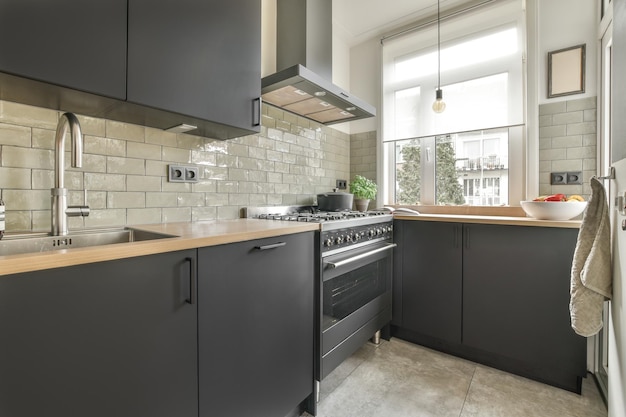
<point x="200" y="58"/>
<point x="256" y="326"/>
<point x="108" y="339"/>
<point x="432" y="279"/>
<point x="73" y="43"/>
<point x="516" y="295"/>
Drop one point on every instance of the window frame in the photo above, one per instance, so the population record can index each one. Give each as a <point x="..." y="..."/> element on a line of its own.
<point x="518" y="136"/>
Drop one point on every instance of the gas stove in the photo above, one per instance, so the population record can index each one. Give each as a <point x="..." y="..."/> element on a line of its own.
<point x="329" y="220"/>
<point x="339" y="230"/>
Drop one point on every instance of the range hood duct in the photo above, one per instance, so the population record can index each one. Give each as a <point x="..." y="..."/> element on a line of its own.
<point x="304" y="62"/>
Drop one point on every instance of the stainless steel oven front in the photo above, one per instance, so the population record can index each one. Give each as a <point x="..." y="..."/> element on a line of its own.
<point x="355" y="289"/>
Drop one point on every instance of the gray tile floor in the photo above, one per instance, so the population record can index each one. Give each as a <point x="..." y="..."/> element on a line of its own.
<point x="400" y="379"/>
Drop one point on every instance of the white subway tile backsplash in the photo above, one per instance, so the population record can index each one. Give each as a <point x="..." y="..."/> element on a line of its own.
<point x="125" y="131"/>
<point x="569" y="127"/>
<point x="203" y="213"/>
<point x="125" y="169"/>
<point x="132" y="166"/>
<point x="120" y="199"/>
<point x="19" y="178"/>
<point x="106" y="218"/>
<point x="105" y="182"/>
<point x="15" y="135"/>
<point x="161" y="199"/>
<point x="180" y="214"/>
<point x="13" y="156"/>
<point x="26" y="199"/>
<point x="30" y="116"/>
<point x="143" y="216"/>
<point x="143" y="183"/>
<point x="143" y="150"/>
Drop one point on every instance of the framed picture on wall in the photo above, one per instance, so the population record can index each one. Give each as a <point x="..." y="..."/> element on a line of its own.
<point x="566" y="71"/>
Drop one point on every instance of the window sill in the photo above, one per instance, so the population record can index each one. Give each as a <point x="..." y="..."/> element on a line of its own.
<point x="507" y="211"/>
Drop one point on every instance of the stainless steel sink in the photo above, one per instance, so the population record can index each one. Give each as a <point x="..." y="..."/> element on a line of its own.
<point x="43" y="242"/>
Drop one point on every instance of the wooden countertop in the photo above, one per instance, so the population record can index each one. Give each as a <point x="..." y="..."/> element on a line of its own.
<point x="189" y="236"/>
<point x="218" y="232"/>
<point x="502" y="220"/>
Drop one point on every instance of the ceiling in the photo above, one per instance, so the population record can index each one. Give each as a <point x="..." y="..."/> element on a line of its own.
<point x="356" y="21"/>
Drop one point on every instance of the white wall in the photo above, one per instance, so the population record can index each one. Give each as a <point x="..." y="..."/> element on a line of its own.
<point x="268" y="37"/>
<point x="561" y="24"/>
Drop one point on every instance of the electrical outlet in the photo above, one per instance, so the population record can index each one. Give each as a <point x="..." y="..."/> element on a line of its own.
<point x="558" y="178"/>
<point x="574" y="177"/>
<point x="191" y="174"/>
<point x="180" y="173"/>
<point x="342" y="184"/>
<point x="176" y="173"/>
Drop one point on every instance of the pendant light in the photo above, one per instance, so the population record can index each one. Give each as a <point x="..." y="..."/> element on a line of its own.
<point x="439" y="105"/>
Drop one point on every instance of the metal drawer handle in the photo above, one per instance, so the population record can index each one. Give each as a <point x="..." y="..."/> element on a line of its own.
<point x="359" y="257"/>
<point x="256" y="111"/>
<point x="272" y="246"/>
<point x="193" y="291"/>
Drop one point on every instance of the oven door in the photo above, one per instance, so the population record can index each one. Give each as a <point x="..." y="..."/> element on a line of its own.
<point x="356" y="300"/>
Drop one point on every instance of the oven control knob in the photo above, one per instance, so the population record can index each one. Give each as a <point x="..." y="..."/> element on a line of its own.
<point x="355" y="237"/>
<point x="379" y="231"/>
<point x="329" y="241"/>
<point x="372" y="232"/>
<point x="339" y="240"/>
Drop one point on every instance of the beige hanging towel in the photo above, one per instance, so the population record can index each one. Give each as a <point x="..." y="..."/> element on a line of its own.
<point x="591" y="267"/>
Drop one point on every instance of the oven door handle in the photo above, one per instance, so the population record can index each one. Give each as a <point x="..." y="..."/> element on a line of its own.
<point x="360" y="256"/>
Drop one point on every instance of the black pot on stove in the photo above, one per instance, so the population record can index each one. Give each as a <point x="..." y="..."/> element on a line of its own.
<point x="335" y="201"/>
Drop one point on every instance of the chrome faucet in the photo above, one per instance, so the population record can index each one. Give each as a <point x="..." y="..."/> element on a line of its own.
<point x="60" y="209"/>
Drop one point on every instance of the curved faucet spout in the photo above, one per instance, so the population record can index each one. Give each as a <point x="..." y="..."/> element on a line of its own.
<point x="67" y="122"/>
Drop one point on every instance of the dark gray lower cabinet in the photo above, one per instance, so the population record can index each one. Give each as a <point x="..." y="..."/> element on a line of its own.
<point x="432" y="282"/>
<point x="106" y="339"/>
<point x="256" y="326"/>
<point x="494" y="294"/>
<point x="516" y="283"/>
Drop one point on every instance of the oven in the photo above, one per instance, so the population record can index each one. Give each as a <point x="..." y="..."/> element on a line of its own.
<point x="355" y="287"/>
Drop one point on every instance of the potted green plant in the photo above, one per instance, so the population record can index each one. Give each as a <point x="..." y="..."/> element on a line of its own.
<point x="364" y="190"/>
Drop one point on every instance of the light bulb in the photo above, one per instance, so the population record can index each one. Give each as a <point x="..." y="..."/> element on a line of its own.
<point x="439" y="105"/>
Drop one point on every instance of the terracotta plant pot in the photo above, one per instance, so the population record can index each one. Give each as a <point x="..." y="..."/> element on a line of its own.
<point x="361" y="203"/>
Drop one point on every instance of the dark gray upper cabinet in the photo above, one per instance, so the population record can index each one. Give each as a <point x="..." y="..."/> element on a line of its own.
<point x="255" y="326"/>
<point x="72" y="43"/>
<point x="114" y="338"/>
<point x="200" y="58"/>
<point x="153" y="63"/>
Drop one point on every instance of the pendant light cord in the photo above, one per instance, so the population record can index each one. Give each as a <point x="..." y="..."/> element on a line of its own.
<point x="438" y="48"/>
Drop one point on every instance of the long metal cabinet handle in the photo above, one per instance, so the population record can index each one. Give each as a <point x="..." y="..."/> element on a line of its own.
<point x="256" y="111"/>
<point x="272" y="246"/>
<point x="193" y="293"/>
<point x="361" y="256"/>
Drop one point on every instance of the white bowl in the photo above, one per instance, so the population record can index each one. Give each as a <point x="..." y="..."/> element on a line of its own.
<point x="553" y="210"/>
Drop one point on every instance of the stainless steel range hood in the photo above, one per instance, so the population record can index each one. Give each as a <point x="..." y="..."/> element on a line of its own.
<point x="304" y="61"/>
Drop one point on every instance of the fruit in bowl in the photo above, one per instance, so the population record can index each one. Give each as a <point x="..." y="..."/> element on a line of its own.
<point x="559" y="197"/>
<point x="555" y="207"/>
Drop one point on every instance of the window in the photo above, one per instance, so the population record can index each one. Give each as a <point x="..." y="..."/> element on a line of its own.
<point x="463" y="155"/>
